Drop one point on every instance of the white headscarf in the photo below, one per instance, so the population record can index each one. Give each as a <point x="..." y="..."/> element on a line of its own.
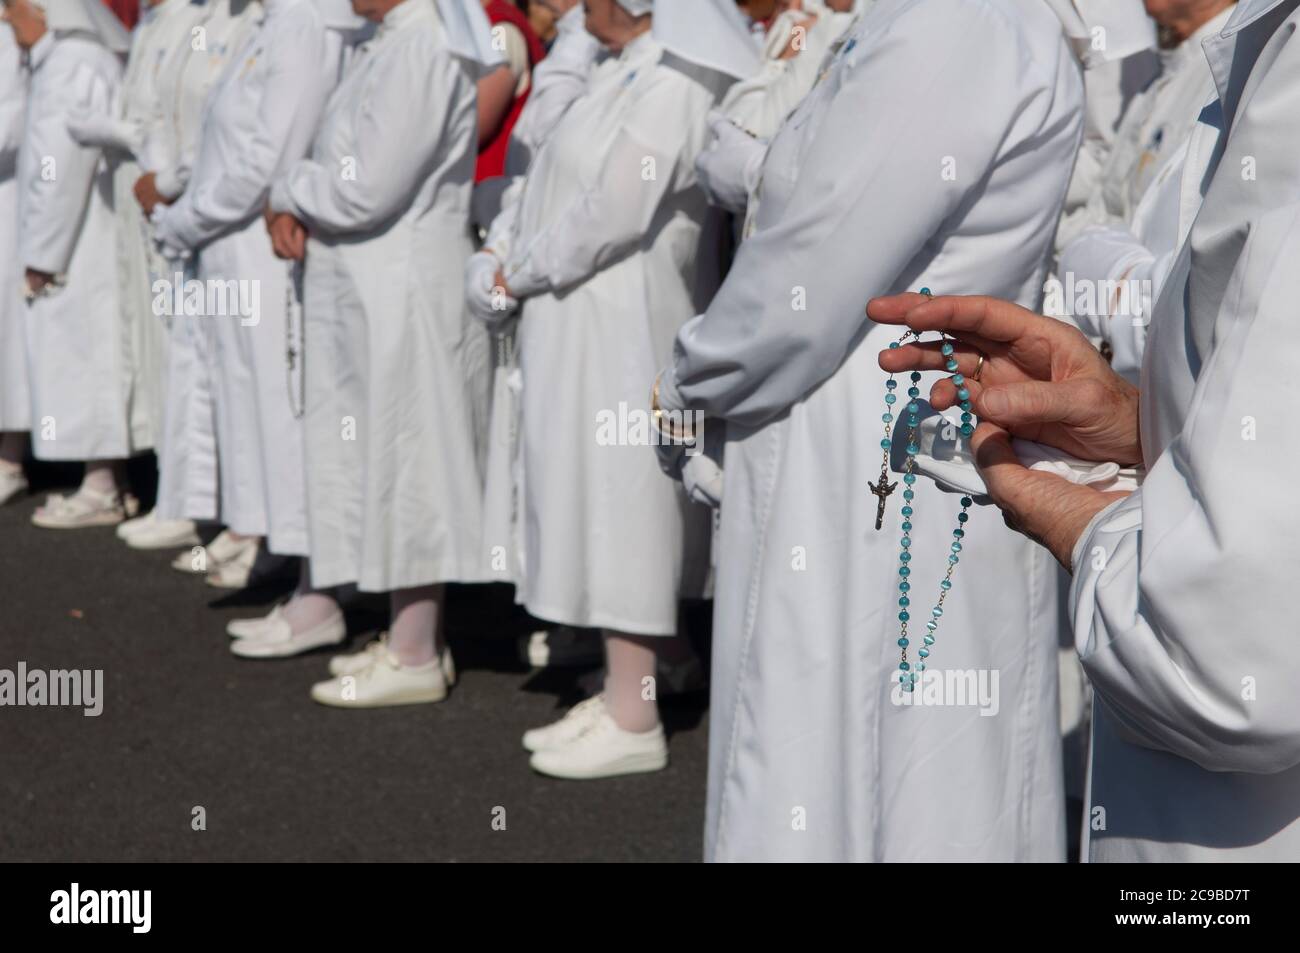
<point x="339" y="15"/>
<point x="638" y="8"/>
<point x="89" y="17"/>
<point x="467" y="31"/>
<point x="709" y="33"/>
<point x="1104" y="31"/>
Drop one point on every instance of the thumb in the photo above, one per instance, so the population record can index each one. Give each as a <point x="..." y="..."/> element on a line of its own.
<point x="997" y="461"/>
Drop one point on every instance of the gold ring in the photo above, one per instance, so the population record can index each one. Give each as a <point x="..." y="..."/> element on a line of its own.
<point x="979" y="369"/>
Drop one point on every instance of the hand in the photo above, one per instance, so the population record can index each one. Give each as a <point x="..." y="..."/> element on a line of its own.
<point x="1041" y="380"/>
<point x="288" y="237"/>
<point x="1047" y="508"/>
<point x="730" y="167"/>
<point x="702" y="477"/>
<point x="485" y="291"/>
<point x="147" y="194"/>
<point x="37" y="282"/>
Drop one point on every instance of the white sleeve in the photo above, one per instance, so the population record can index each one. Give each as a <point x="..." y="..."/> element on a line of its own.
<point x="558" y="80"/>
<point x="54" y="204"/>
<point x="1182" y="594"/>
<point x="296" y="88"/>
<point x="646" y="164"/>
<point x="395" y="140"/>
<point x="746" y="359"/>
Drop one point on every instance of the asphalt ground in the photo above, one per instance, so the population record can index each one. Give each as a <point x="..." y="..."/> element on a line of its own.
<point x="186" y="725"/>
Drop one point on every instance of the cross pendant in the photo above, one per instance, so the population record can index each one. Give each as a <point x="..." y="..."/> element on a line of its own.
<point x="882" y="489"/>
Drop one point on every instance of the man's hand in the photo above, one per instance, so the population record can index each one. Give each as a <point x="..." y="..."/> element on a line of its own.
<point x="1041" y="379"/>
<point x="288" y="237"/>
<point x="147" y="194"/>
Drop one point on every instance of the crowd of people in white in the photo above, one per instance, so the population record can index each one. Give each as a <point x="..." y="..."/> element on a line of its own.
<point x="366" y="276"/>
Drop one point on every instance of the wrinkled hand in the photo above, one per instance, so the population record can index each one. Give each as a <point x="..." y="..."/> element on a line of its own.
<point x="147" y="194"/>
<point x="1042" y="380"/>
<point x="288" y="237"/>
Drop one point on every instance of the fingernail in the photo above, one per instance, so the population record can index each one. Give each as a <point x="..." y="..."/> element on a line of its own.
<point x="995" y="403"/>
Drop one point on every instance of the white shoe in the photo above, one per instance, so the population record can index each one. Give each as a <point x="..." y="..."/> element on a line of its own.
<point x="161" y="534"/>
<point x="136" y="525"/>
<point x="253" y="628"/>
<point x="278" y="640"/>
<point x="13" y="484"/>
<point x="223" y="548"/>
<point x="575" y="721"/>
<point x="383" y="683"/>
<point x="355" y="662"/>
<point x="563" y="646"/>
<point x="234" y="573"/>
<point x="82" y="509"/>
<point x="604" y="750"/>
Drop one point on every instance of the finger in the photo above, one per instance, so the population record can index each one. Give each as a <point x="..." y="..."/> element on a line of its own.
<point x="928" y="356"/>
<point x="990" y="318"/>
<point x="945" y="394"/>
<point x="1073" y="403"/>
<point x="892" y="309"/>
<point x="998" y="464"/>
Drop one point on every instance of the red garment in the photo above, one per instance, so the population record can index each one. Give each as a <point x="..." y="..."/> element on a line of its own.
<point x="128" y="11"/>
<point x="492" y="156"/>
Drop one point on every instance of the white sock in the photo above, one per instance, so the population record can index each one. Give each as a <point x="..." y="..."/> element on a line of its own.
<point x="629" y="660"/>
<point x="309" y="607"/>
<point x="101" y="477"/>
<point x="414" y="634"/>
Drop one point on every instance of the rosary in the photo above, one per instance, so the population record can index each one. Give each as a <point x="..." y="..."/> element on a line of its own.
<point x="882" y="488"/>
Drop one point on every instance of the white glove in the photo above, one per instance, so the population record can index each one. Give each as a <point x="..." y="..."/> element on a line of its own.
<point x="487" y="301"/>
<point x="702" y="472"/>
<point x="169" y="246"/>
<point x="730" y="168"/>
<point x="97" y="129"/>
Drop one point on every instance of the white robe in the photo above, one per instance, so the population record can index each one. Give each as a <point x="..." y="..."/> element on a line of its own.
<point x="161" y="29"/>
<point x="811" y="756"/>
<point x="1181" y="597"/>
<point x="610" y="258"/>
<point x="78" y="346"/>
<point x="259" y="117"/>
<point x="15" y="400"/>
<point x="1136" y="221"/>
<point x="187" y="454"/>
<point x="397" y="372"/>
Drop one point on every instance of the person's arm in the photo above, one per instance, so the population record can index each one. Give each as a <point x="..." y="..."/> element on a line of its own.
<point x="414" y="97"/>
<point x="1181" y="595"/>
<point x="62" y="170"/>
<point x="293" y="98"/>
<point x="645" y="164"/>
<point x="869" y="195"/>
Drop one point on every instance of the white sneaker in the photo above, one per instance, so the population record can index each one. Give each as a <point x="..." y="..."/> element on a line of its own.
<point x="604" y="750"/>
<point x="13" y="484"/>
<point x="278" y="640"/>
<point x="253" y="628"/>
<point x="383" y="683"/>
<point x="82" y="509"/>
<point x="563" y="647"/>
<point x="136" y="525"/>
<point x="149" y="532"/>
<point x="355" y="662"/>
<point x="575" y="721"/>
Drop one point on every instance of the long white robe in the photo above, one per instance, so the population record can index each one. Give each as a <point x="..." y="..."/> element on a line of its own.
<point x="78" y="347"/>
<point x="811" y="757"/>
<point x="15" y="400"/>
<point x="1137" y="221"/>
<point x="260" y="116"/>
<point x="397" y="372"/>
<point x="610" y="260"/>
<point x="187" y="455"/>
<point x="1181" y="596"/>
